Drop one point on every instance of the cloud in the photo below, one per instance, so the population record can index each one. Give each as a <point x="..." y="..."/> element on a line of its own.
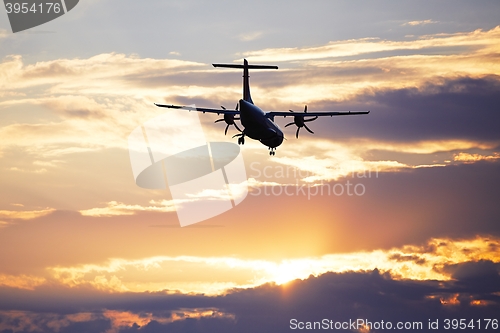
<point x="345" y="70"/>
<point x="108" y="321"/>
<point x="337" y="297"/>
<point x="480" y="276"/>
<point x="332" y="161"/>
<point x="471" y="158"/>
<point x="401" y="208"/>
<point x="99" y="66"/>
<point x="81" y="97"/>
<point x="485" y="40"/>
<point x="458" y="110"/>
<point x="21" y="321"/>
<point x="43" y="170"/>
<point x="21" y="281"/>
<point x="114" y="208"/>
<point x="423" y="22"/>
<point x="122" y="320"/>
<point x="24" y="215"/>
<point x="424" y="112"/>
<point x="432" y="261"/>
<point x="86" y="95"/>
<point x="251" y="36"/>
<point x="140" y="78"/>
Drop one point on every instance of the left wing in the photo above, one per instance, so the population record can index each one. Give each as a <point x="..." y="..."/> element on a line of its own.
<point x="273" y="114"/>
<point x="190" y="108"/>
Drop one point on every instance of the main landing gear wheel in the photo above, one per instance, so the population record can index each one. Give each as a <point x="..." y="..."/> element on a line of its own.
<point x="241" y="139"/>
<point x="272" y="151"/>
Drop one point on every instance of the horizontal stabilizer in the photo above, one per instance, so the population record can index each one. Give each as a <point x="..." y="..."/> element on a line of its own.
<point x="247" y="66"/>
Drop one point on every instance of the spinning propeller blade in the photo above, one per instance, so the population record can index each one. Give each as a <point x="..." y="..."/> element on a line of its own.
<point x="300" y="121"/>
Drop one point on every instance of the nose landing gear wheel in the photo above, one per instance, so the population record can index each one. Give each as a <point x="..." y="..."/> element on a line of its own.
<point x="272" y="151"/>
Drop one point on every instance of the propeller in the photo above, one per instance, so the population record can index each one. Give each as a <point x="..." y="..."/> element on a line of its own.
<point x="300" y="121"/>
<point x="229" y="119"/>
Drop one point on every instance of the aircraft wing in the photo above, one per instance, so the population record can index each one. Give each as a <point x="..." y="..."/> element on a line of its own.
<point x="190" y="108"/>
<point x="285" y="114"/>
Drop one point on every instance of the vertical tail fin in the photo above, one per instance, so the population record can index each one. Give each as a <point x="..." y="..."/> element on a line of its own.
<point x="246" y="82"/>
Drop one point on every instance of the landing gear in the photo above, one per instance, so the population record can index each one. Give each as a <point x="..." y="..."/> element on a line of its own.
<point x="272" y="151"/>
<point x="241" y="139"/>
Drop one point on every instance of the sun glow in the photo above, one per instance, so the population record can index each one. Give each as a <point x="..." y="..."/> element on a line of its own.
<point x="178" y="273"/>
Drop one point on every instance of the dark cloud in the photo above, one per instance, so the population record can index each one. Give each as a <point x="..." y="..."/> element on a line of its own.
<point x="269" y="308"/>
<point x="207" y="325"/>
<point x="98" y="325"/>
<point x="464" y="108"/>
<point x="481" y="276"/>
<point x="472" y="270"/>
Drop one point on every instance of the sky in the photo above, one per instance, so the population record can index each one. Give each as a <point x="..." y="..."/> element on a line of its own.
<point x="389" y="217"/>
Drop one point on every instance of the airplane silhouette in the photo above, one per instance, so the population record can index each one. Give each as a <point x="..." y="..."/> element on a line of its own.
<point x="257" y="124"/>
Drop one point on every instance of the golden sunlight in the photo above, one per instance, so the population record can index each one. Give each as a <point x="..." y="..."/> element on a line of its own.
<point x="221" y="274"/>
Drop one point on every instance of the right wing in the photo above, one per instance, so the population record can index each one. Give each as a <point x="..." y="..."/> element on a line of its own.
<point x="273" y="114"/>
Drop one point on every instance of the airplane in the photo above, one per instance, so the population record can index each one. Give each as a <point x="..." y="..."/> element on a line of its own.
<point x="258" y="124"/>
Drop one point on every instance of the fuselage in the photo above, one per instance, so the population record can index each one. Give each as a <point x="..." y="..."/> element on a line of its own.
<point x="258" y="126"/>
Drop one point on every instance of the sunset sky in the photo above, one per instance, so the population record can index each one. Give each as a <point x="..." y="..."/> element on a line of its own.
<point x="390" y="216"/>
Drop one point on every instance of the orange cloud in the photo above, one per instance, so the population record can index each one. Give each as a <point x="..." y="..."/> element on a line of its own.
<point x="424" y="262"/>
<point x="484" y="39"/>
<point x="121" y="319"/>
<point x="114" y="208"/>
<point x="24" y="215"/>
<point x="21" y="281"/>
<point x="471" y="158"/>
<point x="450" y="300"/>
<point x="87" y="95"/>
